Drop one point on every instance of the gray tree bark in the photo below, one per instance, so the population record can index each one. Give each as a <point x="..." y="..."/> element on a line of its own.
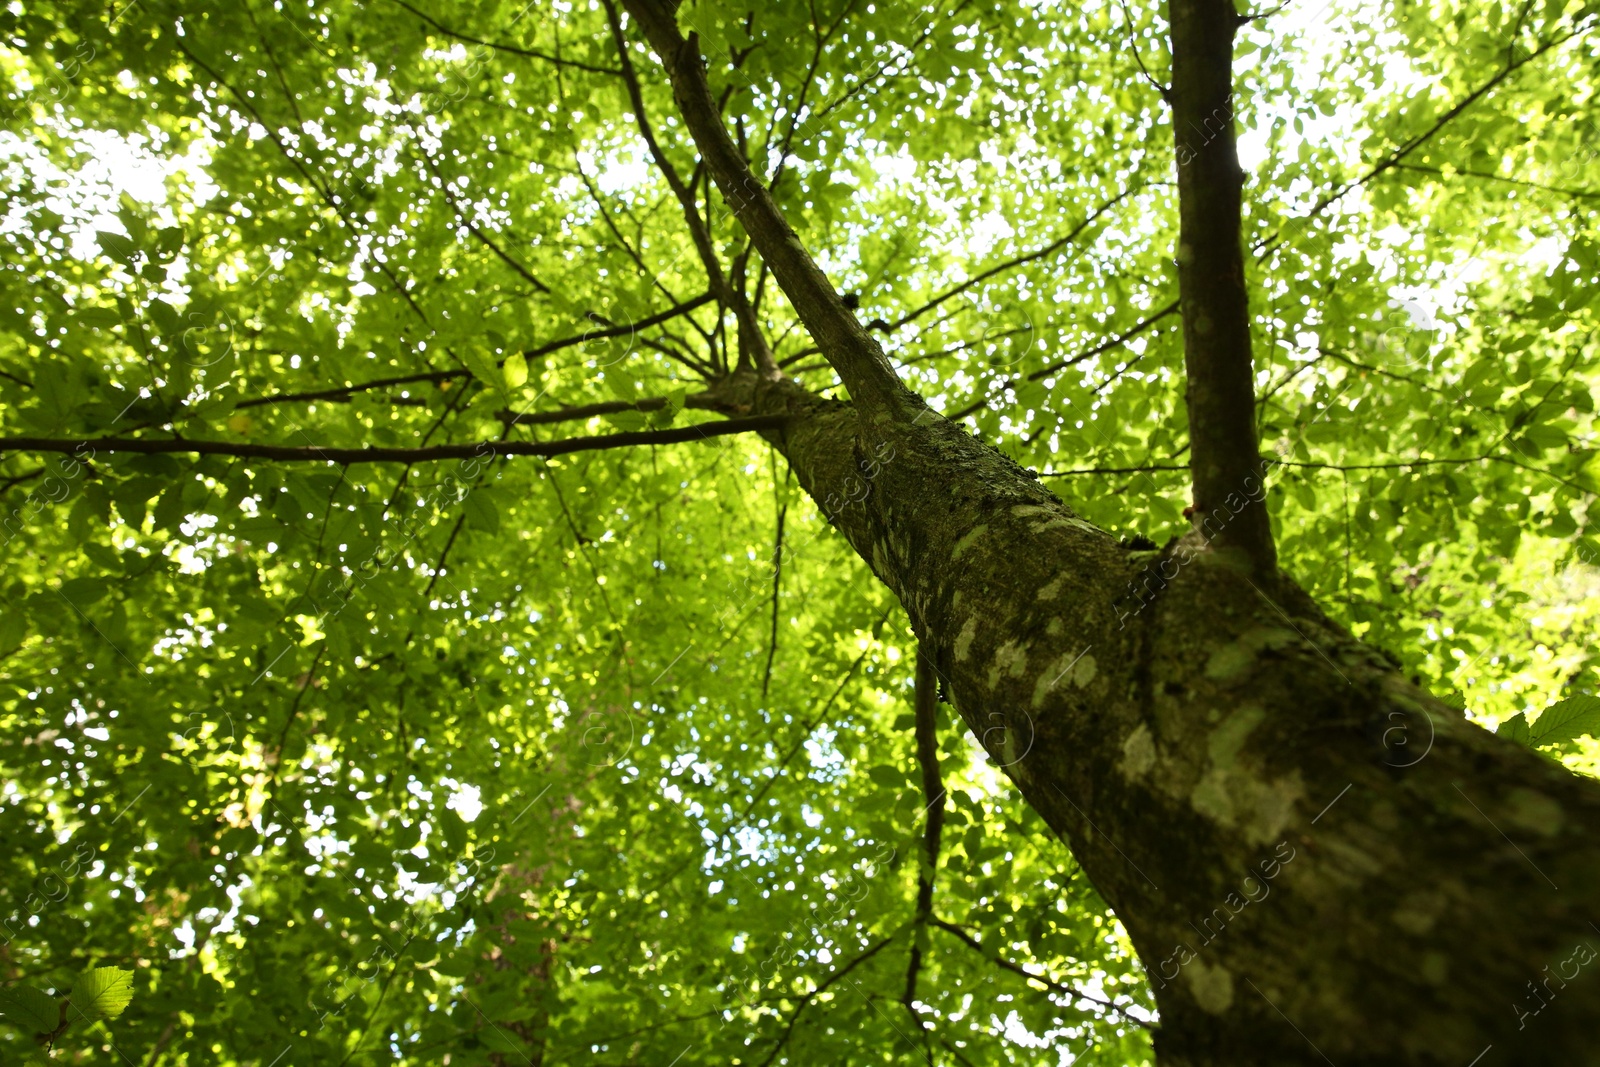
<point x="1317" y="860"/>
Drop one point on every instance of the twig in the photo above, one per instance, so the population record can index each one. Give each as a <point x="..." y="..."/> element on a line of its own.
<point x="482" y="450"/>
<point x="925" y="699"/>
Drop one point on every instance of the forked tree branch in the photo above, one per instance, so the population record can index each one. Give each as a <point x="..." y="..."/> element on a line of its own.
<point x="1051" y="984"/>
<point x="853" y="352"/>
<point x="752" y="343"/>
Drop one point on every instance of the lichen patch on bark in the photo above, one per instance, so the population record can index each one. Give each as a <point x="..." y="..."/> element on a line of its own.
<point x="964" y="639"/>
<point x="968" y="540"/>
<point x="1138" y="753"/>
<point x="1533" y="812"/>
<point x="1211" y="986"/>
<point x="1010" y="660"/>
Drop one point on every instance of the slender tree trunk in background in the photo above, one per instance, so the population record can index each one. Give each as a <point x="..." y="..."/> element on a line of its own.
<point x="1229" y="495"/>
<point x="1317" y="861"/>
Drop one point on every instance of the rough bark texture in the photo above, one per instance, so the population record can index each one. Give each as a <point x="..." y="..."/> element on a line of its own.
<point x="1317" y="861"/>
<point x="1313" y="856"/>
<point x="1229" y="495"/>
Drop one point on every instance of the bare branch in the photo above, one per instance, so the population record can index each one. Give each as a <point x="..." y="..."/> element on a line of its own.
<point x="343" y="393"/>
<point x="925" y="697"/>
<point x="822" y="987"/>
<point x="1026" y="257"/>
<point x="777" y="580"/>
<point x="481" y="450"/>
<point x="1394" y="158"/>
<point x="1049" y="983"/>
<point x="516" y="50"/>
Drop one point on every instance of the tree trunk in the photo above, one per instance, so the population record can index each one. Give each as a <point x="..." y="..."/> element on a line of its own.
<point x="1318" y="861"/>
<point x="1229" y="491"/>
<point x="1313" y="856"/>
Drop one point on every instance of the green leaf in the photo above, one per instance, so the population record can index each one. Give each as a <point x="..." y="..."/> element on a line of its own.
<point x="622" y="384"/>
<point x="98" y="317"/>
<point x="13" y="629"/>
<point x="888" y="777"/>
<point x="627" y="420"/>
<point x="457" y="963"/>
<point x="31" y="1010"/>
<point x="1546" y="436"/>
<point x="1516" y="729"/>
<point x="115" y="245"/>
<point x="102" y="992"/>
<point x="169" y="240"/>
<point x="168" y="322"/>
<point x="483" y="368"/>
<point x="664" y="416"/>
<point x="515" y="370"/>
<point x="481" y="512"/>
<point x="1566" y="720"/>
<point x="82" y="592"/>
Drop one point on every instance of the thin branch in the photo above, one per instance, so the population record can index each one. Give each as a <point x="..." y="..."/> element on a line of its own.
<point x="1117" y="341"/>
<point x="627" y="246"/>
<point x="1133" y="46"/>
<point x="343" y="393"/>
<point x="474" y="228"/>
<point x="820" y="43"/>
<point x="702" y="368"/>
<point x="1049" y="983"/>
<point x="909" y="55"/>
<point x="1487" y="176"/>
<point x="306" y="172"/>
<point x="925" y="700"/>
<point x="515" y="50"/>
<point x="812" y="724"/>
<point x="1115" y="470"/>
<point x="1287" y="377"/>
<point x="1394" y="159"/>
<point x="807" y="998"/>
<point x="1027" y="257"/>
<point x="581" y="412"/>
<point x="777" y="578"/>
<point x="699" y="233"/>
<point x="1349" y="360"/>
<point x="482" y="450"/>
<point x="1445" y="461"/>
<point x="294" y="710"/>
<point x="450" y="542"/>
<point x="1123" y="338"/>
<point x="11" y="483"/>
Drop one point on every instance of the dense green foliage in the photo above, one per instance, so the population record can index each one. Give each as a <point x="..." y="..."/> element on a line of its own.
<point x="518" y="759"/>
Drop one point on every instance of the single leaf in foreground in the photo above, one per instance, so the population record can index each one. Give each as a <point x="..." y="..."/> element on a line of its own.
<point x="1516" y="729"/>
<point x="1566" y="720"/>
<point x="102" y="992"/>
<point x="29" y="1009"/>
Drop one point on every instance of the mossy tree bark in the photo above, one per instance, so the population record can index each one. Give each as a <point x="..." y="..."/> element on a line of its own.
<point x="1317" y="860"/>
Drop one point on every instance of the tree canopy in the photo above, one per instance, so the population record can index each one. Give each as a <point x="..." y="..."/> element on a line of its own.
<point x="404" y="661"/>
